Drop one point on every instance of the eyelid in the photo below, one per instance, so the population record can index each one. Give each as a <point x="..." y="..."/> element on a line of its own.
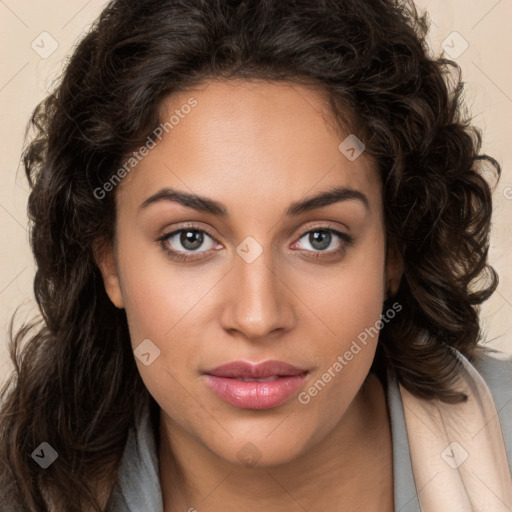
<point x="188" y="225"/>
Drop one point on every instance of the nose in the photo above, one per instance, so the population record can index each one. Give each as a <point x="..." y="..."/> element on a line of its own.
<point x="259" y="302"/>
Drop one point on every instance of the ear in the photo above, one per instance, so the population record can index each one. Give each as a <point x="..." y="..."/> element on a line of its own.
<point x="394" y="269"/>
<point x="105" y="260"/>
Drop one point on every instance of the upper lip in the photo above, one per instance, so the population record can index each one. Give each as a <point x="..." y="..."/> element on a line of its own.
<point x="262" y="370"/>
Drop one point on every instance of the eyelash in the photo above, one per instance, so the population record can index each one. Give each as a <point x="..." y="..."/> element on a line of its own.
<point x="347" y="241"/>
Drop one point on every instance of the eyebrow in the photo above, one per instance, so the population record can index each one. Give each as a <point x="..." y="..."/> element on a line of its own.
<point x="207" y="205"/>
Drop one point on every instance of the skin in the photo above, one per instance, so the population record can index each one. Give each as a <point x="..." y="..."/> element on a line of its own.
<point x="257" y="147"/>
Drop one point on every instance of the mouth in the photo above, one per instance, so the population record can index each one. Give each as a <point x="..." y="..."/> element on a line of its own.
<point x="255" y="386"/>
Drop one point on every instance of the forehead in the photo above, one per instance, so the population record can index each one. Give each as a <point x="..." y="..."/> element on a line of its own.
<point x="242" y="140"/>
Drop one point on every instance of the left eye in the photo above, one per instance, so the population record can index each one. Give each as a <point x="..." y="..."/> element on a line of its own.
<point x="321" y="238"/>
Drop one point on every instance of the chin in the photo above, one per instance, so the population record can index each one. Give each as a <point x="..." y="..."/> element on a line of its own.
<point x="260" y="447"/>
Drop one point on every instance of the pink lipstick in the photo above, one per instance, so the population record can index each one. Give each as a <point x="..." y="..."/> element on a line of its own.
<point x="255" y="386"/>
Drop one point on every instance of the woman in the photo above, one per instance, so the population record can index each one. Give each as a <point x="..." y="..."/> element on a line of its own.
<point x="258" y="228"/>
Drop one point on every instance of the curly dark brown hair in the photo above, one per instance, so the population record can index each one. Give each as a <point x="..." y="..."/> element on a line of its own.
<point x="75" y="383"/>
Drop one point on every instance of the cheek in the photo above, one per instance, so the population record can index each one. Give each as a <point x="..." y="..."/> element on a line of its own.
<point x="159" y="304"/>
<point x="167" y="304"/>
<point x="157" y="293"/>
<point x="350" y="306"/>
<point x="351" y="299"/>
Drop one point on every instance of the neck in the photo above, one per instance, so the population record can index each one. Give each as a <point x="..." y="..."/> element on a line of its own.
<point x="351" y="466"/>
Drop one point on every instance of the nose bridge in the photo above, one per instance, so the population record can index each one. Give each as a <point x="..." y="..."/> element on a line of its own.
<point x="258" y="299"/>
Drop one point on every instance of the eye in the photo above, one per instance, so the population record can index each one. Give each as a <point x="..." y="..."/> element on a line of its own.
<point x="321" y="238"/>
<point x="191" y="239"/>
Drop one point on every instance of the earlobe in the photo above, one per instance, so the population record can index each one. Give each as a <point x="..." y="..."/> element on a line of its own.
<point x="105" y="260"/>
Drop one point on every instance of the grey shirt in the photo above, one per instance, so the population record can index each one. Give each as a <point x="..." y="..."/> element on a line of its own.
<point x="138" y="487"/>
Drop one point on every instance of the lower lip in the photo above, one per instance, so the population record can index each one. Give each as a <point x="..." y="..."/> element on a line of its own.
<point x="255" y="395"/>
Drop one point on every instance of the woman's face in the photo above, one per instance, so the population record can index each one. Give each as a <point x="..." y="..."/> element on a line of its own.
<point x="258" y="283"/>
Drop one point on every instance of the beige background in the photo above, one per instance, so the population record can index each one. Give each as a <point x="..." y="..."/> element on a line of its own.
<point x="30" y="30"/>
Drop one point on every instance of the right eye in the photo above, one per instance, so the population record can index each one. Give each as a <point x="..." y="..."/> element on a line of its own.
<point x="191" y="238"/>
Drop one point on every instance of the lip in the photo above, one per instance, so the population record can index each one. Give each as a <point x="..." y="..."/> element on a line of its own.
<point x="284" y="380"/>
<point x="245" y="369"/>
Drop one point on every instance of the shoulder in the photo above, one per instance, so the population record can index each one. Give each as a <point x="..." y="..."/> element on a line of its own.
<point x="495" y="367"/>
